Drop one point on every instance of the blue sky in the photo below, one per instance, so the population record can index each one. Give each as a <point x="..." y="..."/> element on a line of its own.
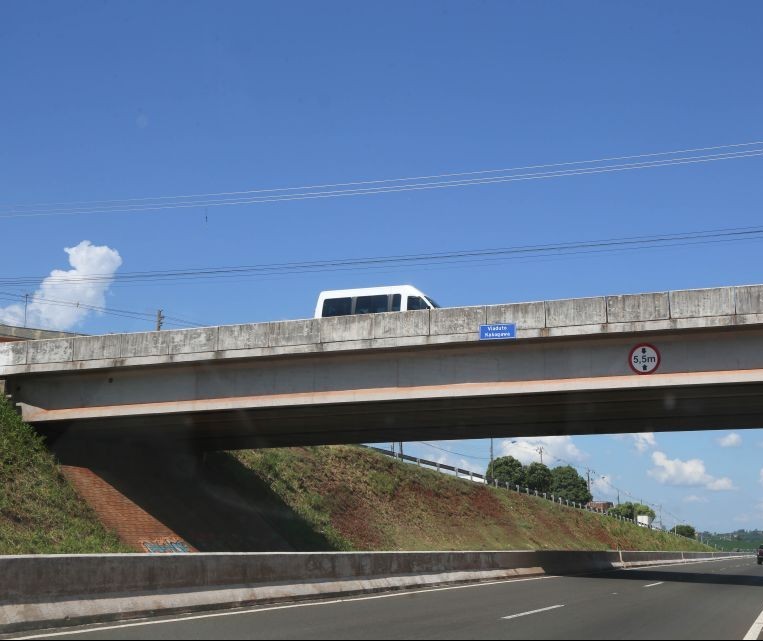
<point x="107" y="100"/>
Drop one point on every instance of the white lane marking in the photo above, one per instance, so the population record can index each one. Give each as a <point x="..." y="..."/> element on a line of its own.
<point x="524" y="614"/>
<point x="257" y="610"/>
<point x="668" y="565"/>
<point x="651" y="585"/>
<point x="253" y="610"/>
<point x="755" y="628"/>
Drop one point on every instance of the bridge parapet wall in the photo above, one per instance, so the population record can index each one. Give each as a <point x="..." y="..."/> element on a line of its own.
<point x="659" y="311"/>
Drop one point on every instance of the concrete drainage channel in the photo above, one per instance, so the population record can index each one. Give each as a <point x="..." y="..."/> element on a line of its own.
<point x="49" y="591"/>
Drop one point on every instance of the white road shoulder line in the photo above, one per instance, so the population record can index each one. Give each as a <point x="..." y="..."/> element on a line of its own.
<point x="755" y="629"/>
<point x="95" y="627"/>
<point x="651" y="585"/>
<point x="524" y="614"/>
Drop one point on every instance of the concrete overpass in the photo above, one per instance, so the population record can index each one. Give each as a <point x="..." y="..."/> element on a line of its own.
<point x="406" y="376"/>
<point x="10" y="333"/>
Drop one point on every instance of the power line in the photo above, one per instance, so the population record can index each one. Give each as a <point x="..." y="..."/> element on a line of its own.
<point x="457" y="257"/>
<point x="602" y="478"/>
<point x="442" y="449"/>
<point x="133" y="315"/>
<point x="145" y="205"/>
<point x="387" y="180"/>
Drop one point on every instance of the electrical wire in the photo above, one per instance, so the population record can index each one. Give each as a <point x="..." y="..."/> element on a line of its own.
<point x="21" y="211"/>
<point x="442" y="449"/>
<point x="456" y="257"/>
<point x="142" y="316"/>
<point x="388" y="180"/>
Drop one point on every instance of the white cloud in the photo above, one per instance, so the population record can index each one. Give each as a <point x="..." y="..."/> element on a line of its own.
<point x="642" y="441"/>
<point x="729" y="440"/>
<point x="723" y="484"/>
<point x="690" y="473"/>
<point x="695" y="498"/>
<point x="69" y="286"/>
<point x="760" y="476"/>
<point x="554" y="449"/>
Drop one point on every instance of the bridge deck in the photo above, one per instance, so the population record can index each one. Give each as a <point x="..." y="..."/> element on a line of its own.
<point x="633" y="313"/>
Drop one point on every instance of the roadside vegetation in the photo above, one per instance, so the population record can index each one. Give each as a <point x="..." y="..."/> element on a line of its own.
<point x="738" y="540"/>
<point x="331" y="498"/>
<point x="39" y="511"/>
<point x="358" y="499"/>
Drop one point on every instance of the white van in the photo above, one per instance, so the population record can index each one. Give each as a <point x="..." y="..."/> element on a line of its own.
<point x="371" y="300"/>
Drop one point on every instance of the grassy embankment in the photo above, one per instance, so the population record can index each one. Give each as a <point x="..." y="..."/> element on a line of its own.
<point x="342" y="498"/>
<point x="39" y="511"/>
<point x="361" y="500"/>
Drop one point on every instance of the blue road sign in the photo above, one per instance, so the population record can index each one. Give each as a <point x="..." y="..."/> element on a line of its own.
<point x="498" y="332"/>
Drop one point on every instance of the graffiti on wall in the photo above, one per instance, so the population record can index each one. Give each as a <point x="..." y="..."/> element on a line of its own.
<point x="166" y="546"/>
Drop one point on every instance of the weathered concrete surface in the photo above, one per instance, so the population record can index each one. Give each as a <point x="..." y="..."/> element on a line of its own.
<point x="576" y="311"/>
<point x="55" y="350"/>
<point x="639" y="307"/>
<point x="574" y="317"/>
<point x="625" y="314"/>
<point x="456" y="320"/>
<point x="92" y="347"/>
<point x="749" y="300"/>
<point x="407" y="376"/>
<point x="13" y="353"/>
<point x="12" y="333"/>
<point x="401" y="324"/>
<point x="40" y="591"/>
<point x="524" y="315"/>
<point x="698" y="303"/>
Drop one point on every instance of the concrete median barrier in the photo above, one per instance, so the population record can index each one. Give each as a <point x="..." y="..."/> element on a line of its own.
<point x="46" y="591"/>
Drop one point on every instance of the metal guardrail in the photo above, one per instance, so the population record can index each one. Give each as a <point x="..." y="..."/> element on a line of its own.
<point x="484" y="480"/>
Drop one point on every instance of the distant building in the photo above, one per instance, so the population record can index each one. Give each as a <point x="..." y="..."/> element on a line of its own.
<point x="600" y="506"/>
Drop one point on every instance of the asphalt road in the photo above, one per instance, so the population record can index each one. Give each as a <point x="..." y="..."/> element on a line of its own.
<point x="711" y="600"/>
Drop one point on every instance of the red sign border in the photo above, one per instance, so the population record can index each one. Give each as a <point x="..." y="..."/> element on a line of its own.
<point x="656" y="351"/>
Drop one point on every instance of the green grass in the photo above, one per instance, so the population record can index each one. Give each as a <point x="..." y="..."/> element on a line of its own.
<point x="39" y="511"/>
<point x="337" y="498"/>
<point x="361" y="500"/>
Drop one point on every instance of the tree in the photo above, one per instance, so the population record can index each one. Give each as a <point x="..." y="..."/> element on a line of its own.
<point x="642" y="510"/>
<point x="538" y="477"/>
<point x="507" y="469"/>
<point x="686" y="530"/>
<point x="624" y="510"/>
<point x="568" y="484"/>
<point x="632" y="510"/>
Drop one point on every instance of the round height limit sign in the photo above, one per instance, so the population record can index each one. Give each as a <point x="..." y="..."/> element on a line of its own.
<point x="644" y="359"/>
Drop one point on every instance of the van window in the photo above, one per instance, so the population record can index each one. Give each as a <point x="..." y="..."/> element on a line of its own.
<point x="416" y="302"/>
<point x="337" y="307"/>
<point x="371" y="304"/>
<point x="395" y="303"/>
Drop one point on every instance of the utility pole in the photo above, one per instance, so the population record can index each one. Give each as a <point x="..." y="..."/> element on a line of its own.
<point x="540" y="451"/>
<point x="491" y="454"/>
<point x="159" y="319"/>
<point x="588" y="474"/>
